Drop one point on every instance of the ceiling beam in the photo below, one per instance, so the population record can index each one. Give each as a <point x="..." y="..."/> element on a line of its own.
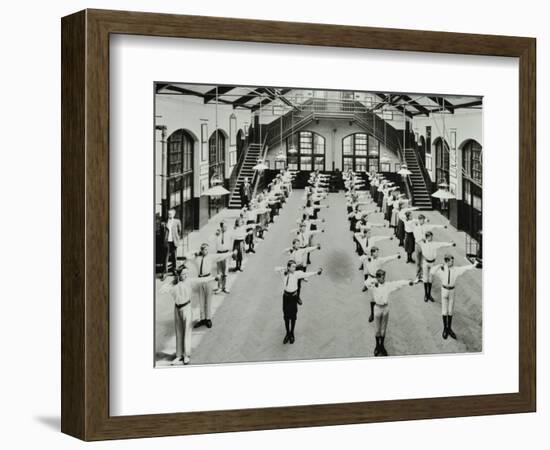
<point x="268" y="100"/>
<point x="250" y="96"/>
<point x="388" y="100"/>
<point x="185" y="91"/>
<point x="446" y="104"/>
<point x="180" y="90"/>
<point x="384" y="101"/>
<point x="469" y="104"/>
<point x="219" y="90"/>
<point x="421" y="109"/>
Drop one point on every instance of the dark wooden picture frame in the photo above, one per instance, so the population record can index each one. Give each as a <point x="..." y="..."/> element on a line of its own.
<point x="85" y="224"/>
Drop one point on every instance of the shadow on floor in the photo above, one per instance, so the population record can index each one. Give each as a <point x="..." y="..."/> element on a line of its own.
<point x="52" y="422"/>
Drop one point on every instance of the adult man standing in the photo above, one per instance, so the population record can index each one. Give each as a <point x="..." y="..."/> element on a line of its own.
<point x="181" y="291"/>
<point x="172" y="234"/>
<point x="245" y="191"/>
<point x="204" y="263"/>
<point x="223" y="245"/>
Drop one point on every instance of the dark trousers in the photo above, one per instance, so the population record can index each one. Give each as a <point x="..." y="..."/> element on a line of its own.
<point x="238" y="246"/>
<point x="171" y="255"/>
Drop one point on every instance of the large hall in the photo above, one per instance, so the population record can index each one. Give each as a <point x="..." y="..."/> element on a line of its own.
<point x="347" y="171"/>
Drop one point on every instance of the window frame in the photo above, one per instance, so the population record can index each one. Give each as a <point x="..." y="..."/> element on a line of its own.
<point x="309" y="141"/>
<point x="364" y="157"/>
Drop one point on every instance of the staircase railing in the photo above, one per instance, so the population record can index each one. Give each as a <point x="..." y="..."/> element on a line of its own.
<point x="291" y="124"/>
<point x="237" y="170"/>
<point x="422" y="165"/>
<point x="256" y="177"/>
<point x="424" y="174"/>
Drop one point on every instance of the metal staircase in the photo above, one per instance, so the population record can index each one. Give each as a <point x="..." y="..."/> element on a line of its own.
<point x="420" y="194"/>
<point x="250" y="160"/>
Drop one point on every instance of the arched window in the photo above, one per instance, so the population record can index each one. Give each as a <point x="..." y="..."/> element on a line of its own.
<point x="361" y="153"/>
<point x="216" y="155"/>
<point x="472" y="192"/>
<point x="441" y="161"/>
<point x="310" y="151"/>
<point x="471" y="161"/>
<point x="180" y="146"/>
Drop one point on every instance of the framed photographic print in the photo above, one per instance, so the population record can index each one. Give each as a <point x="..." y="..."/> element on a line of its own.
<point x="237" y="252"/>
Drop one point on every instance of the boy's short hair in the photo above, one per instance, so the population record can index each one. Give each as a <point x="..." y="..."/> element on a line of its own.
<point x="204" y="245"/>
<point x="380" y="273"/>
<point x="421" y="216"/>
<point x="429" y="233"/>
<point x="448" y="257"/>
<point x="373" y="250"/>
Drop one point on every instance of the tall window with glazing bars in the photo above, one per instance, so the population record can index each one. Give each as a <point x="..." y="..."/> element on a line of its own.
<point x="360" y="153"/>
<point x="179" y="177"/>
<point x="309" y="151"/>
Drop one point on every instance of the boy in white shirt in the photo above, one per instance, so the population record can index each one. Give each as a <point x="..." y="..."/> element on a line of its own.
<point x="301" y="256"/>
<point x="371" y="262"/>
<point x="429" y="253"/>
<point x="381" y="291"/>
<point x="420" y="227"/>
<point x="448" y="275"/>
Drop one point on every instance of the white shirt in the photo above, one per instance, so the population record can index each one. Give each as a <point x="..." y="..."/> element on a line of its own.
<point x="420" y="230"/>
<point x="182" y="292"/>
<point x="223" y="241"/>
<point x="251" y="214"/>
<point x="409" y="225"/>
<point x="240" y="233"/>
<point x="290" y="280"/>
<point x="448" y="275"/>
<point x="204" y="263"/>
<point x="169" y="225"/>
<point x="381" y="293"/>
<point x="371" y="265"/>
<point x="300" y="255"/>
<point x="429" y="249"/>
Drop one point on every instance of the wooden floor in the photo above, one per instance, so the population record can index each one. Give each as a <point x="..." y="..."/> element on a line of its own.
<point x="333" y="321"/>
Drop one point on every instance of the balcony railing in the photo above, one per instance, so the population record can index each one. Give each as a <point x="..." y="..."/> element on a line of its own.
<point x="313" y="109"/>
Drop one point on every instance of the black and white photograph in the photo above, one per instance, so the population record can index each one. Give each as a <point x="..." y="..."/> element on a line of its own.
<point x="303" y="224"/>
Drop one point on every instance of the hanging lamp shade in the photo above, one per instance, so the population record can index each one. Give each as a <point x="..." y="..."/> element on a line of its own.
<point x="443" y="194"/>
<point x="216" y="191"/>
<point x="292" y="149"/>
<point x="261" y="166"/>
<point x="404" y="171"/>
